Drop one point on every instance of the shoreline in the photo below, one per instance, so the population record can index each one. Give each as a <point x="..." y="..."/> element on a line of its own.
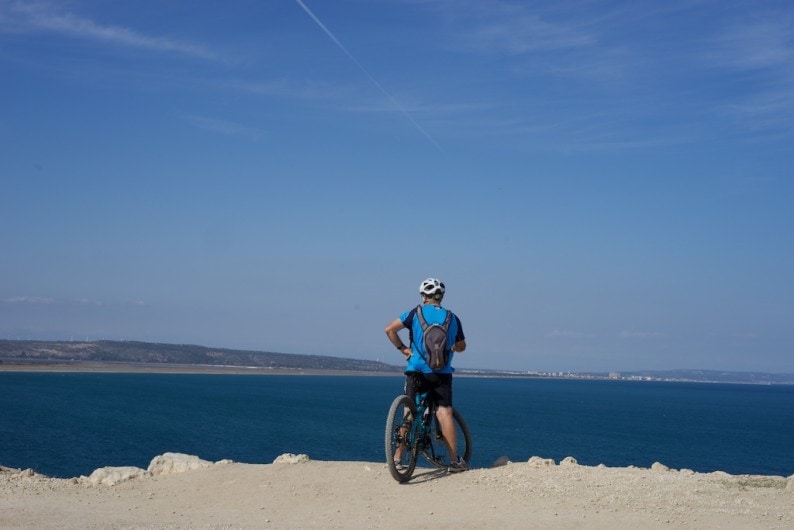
<point x="183" y="491"/>
<point x="54" y="366"/>
<point x="158" y="368"/>
<point x="190" y="462"/>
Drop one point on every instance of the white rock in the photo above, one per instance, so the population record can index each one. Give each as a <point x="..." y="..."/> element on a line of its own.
<point x="110" y="476"/>
<point x="537" y="461"/>
<point x="168" y="463"/>
<point x="289" y="458"/>
<point x="659" y="467"/>
<point x="569" y="461"/>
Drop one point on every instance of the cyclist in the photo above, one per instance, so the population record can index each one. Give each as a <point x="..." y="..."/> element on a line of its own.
<point x="419" y="377"/>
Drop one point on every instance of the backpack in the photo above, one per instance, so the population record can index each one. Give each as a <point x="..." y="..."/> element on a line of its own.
<point x="435" y="338"/>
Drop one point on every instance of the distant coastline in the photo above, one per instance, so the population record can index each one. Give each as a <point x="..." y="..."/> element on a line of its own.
<point x="120" y="356"/>
<point x="13" y="365"/>
<point x="146" y="357"/>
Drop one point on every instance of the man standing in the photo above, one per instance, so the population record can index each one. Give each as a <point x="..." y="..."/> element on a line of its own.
<point x="419" y="375"/>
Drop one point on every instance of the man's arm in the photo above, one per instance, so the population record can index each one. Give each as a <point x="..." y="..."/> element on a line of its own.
<point x="391" y="332"/>
<point x="460" y="338"/>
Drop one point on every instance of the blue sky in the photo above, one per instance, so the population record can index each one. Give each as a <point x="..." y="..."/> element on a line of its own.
<point x="601" y="185"/>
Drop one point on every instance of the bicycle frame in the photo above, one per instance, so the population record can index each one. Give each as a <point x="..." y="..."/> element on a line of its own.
<point x="421" y="434"/>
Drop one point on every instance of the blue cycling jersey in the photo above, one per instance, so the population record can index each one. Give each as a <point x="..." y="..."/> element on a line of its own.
<point x="433" y="314"/>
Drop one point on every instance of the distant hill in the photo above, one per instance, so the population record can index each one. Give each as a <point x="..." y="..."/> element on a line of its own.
<point x="148" y="354"/>
<point x="131" y="352"/>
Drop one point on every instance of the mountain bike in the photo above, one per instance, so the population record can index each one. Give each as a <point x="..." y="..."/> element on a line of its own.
<point x="406" y="439"/>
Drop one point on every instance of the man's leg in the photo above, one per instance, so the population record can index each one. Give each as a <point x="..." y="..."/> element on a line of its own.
<point x="410" y="391"/>
<point x="445" y="418"/>
<point x="404" y="428"/>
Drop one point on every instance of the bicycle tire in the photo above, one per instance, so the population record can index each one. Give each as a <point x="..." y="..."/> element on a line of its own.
<point x="397" y="434"/>
<point x="436" y="451"/>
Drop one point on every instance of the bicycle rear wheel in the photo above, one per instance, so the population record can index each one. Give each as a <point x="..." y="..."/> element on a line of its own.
<point x="435" y="449"/>
<point x="401" y="451"/>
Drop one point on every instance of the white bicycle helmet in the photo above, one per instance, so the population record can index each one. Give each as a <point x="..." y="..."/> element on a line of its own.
<point x="432" y="287"/>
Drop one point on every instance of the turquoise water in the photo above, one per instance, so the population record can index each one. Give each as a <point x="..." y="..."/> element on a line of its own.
<point x="68" y="424"/>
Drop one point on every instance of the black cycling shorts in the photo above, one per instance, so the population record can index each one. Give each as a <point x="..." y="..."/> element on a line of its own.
<point x="438" y="386"/>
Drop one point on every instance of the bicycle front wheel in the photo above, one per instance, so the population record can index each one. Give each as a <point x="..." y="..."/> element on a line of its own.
<point x="436" y="449"/>
<point x="401" y="449"/>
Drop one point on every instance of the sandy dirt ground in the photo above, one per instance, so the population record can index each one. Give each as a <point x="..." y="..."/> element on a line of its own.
<point x="317" y="494"/>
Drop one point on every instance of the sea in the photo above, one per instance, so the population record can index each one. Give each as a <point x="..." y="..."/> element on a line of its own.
<point x="68" y="424"/>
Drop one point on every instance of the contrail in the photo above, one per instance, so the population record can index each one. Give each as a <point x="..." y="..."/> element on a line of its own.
<point x="366" y="72"/>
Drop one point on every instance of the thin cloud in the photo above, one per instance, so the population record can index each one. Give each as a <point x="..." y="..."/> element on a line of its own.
<point x="744" y="336"/>
<point x="307" y="90"/>
<point x="640" y="334"/>
<point x="226" y="127"/>
<point x="32" y="300"/>
<point x="427" y="108"/>
<point x="762" y="47"/>
<point x="73" y="302"/>
<point x="625" y="144"/>
<point x="40" y="17"/>
<point x="511" y="29"/>
<point x="766" y="111"/>
<point x="754" y="45"/>
<point x="523" y="34"/>
<point x="557" y="334"/>
<point x="604" y="66"/>
<point x="565" y="134"/>
<point x="372" y="79"/>
<point x="543" y="41"/>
